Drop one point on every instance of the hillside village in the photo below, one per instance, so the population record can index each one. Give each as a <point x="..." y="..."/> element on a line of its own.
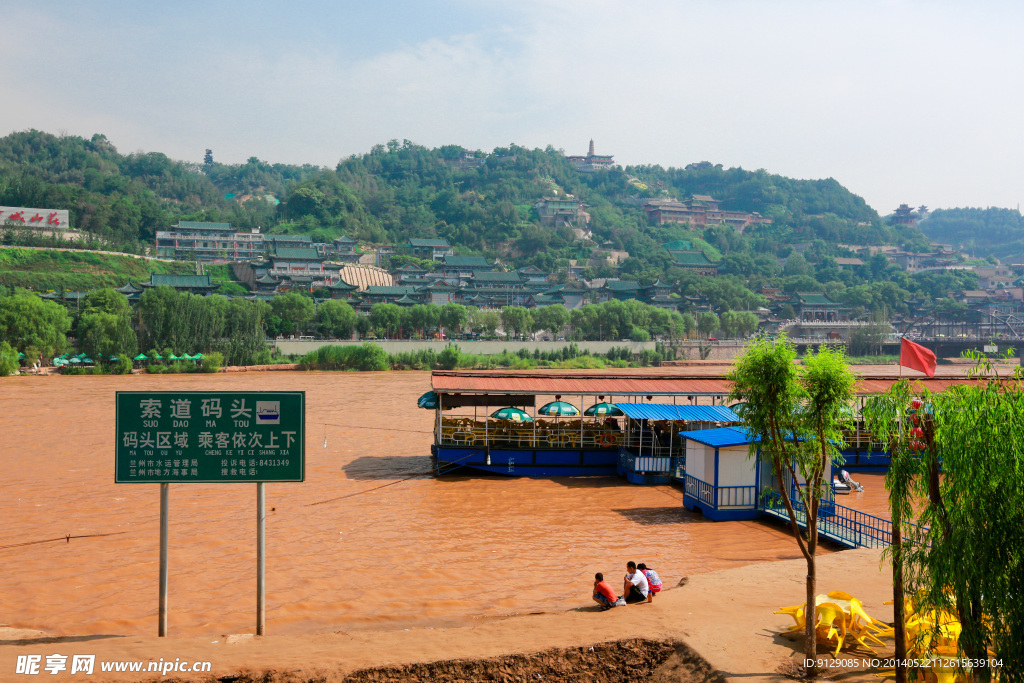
<point x="712" y="257"/>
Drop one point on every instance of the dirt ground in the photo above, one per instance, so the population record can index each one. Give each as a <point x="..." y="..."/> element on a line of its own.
<point x="723" y="618"/>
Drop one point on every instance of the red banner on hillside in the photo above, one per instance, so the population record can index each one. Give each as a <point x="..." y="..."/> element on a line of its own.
<point x="917" y="357"/>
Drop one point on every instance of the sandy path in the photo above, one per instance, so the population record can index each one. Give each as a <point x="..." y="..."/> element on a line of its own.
<point x="725" y="615"/>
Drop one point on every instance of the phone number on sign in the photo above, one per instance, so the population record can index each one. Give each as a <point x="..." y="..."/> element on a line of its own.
<point x="937" y="662"/>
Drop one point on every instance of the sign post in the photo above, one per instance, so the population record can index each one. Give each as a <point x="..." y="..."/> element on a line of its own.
<point x="170" y="437"/>
<point x="260" y="559"/>
<point x="164" y="507"/>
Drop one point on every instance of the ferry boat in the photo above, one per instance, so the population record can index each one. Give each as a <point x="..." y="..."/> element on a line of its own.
<point x="537" y="424"/>
<point x="550" y="424"/>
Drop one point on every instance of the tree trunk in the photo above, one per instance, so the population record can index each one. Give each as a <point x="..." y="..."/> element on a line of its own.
<point x="898" y="603"/>
<point x="810" y="614"/>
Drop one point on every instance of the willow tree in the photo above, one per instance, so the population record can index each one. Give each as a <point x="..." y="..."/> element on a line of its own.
<point x="961" y="455"/>
<point x="797" y="415"/>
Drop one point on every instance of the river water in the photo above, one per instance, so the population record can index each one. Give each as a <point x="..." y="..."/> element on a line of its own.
<point x="369" y="540"/>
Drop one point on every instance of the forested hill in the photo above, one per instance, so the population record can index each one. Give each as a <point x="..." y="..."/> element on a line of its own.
<point x="979" y="232"/>
<point x="483" y="203"/>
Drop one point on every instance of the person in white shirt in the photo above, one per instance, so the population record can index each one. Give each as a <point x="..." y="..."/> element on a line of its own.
<point x="635" y="584"/>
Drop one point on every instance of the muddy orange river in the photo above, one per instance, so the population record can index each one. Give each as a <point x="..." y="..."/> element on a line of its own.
<point x="370" y="540"/>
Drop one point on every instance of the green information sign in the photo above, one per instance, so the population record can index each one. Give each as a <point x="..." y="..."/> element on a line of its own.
<point x="210" y="436"/>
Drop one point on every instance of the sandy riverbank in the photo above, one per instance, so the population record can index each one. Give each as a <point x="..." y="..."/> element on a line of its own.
<point x="725" y="616"/>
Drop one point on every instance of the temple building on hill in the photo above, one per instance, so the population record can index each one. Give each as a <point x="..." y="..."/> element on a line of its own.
<point x="592" y="162"/>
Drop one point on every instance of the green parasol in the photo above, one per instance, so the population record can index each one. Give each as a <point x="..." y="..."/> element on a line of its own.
<point x="429" y="401"/>
<point x="603" y="410"/>
<point x="560" y="408"/>
<point x="513" y="414"/>
<point x="141" y="356"/>
<point x="198" y="356"/>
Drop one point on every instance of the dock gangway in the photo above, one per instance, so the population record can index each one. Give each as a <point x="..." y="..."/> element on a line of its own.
<point x="846" y="526"/>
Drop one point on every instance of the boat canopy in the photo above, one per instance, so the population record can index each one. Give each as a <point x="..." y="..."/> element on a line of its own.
<point x="723" y="437"/>
<point x="682" y="413"/>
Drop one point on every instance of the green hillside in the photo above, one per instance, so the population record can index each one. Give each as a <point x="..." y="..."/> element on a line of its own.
<point x="979" y="232"/>
<point x="398" y="191"/>
<point x="78" y="271"/>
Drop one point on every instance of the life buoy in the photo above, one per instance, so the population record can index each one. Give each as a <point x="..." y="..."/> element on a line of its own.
<point x="607" y="440"/>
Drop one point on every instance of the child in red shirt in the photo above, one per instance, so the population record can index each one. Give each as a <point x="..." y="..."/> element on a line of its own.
<point x="603" y="593"/>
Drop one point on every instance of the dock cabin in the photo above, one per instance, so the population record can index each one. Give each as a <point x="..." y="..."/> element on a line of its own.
<point x="724" y="482"/>
<point x="720" y="478"/>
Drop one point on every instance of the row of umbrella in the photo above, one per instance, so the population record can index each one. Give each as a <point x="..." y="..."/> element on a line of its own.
<point x="558" y="409"/>
<point x="429" y="401"/>
<point x="65" y="359"/>
<point x="184" y="356"/>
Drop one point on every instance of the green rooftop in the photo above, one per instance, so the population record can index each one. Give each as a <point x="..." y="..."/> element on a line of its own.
<point x="813" y="298"/>
<point x="181" y="281"/>
<point x="297" y="253"/>
<point x="692" y="258"/>
<point x="489" y="277"/>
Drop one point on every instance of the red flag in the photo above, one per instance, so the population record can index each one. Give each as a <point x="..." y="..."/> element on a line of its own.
<point x="917" y="357"/>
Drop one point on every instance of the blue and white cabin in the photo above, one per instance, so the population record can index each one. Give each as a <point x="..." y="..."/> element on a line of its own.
<point x="720" y="478"/>
<point x="724" y="482"/>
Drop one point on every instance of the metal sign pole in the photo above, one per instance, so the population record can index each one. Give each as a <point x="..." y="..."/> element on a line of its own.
<point x="164" y="505"/>
<point x="260" y="559"/>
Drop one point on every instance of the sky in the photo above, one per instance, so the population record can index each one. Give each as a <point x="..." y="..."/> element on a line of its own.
<point x="917" y="102"/>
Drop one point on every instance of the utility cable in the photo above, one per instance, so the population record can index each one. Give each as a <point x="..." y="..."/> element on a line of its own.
<point x="66" y="537"/>
<point x="404" y="479"/>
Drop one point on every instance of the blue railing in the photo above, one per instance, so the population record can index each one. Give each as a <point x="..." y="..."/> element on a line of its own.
<point x="843" y="524"/>
<point x="720" y="496"/>
<point x="701" y="490"/>
<point x="644" y="463"/>
<point x="737" y="496"/>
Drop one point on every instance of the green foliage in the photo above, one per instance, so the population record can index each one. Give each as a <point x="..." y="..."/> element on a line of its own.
<point x="191" y="323"/>
<point x="78" y="271"/>
<point x="450" y="358"/>
<point x="453" y="317"/>
<point x="797" y="416"/>
<point x="516" y="320"/>
<point x="8" y="359"/>
<point x="984" y="232"/>
<point x="104" y="335"/>
<point x="386" y="318"/>
<point x="298" y="310"/>
<point x="123" y="365"/>
<point x="335" y="319"/>
<point x="955" y="492"/>
<point x="365" y="357"/>
<point x="738" y="323"/>
<point x="26" y="320"/>
<point x="212" y="362"/>
<point x="707" y="322"/>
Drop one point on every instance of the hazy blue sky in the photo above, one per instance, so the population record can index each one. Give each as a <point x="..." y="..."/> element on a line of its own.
<point x="901" y="101"/>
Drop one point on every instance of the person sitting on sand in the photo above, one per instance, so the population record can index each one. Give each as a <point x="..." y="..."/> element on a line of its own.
<point x="635" y="584"/>
<point x="653" y="581"/>
<point x="603" y="593"/>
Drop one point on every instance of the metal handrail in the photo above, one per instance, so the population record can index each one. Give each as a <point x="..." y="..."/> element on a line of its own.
<point x="846" y="524"/>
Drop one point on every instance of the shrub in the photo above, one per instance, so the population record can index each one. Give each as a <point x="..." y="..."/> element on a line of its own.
<point x="122" y="366"/>
<point x="212" y="362"/>
<point x="8" y="359"/>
